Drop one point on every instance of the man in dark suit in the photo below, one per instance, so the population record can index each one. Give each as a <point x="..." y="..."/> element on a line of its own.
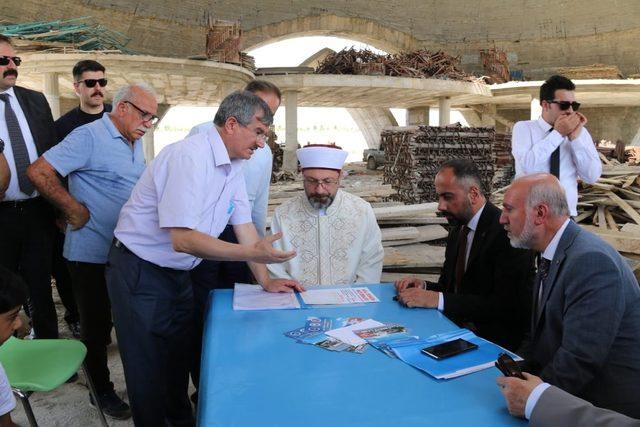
<point x="26" y="127"/>
<point x="586" y="311"/>
<point x="485" y="283"/>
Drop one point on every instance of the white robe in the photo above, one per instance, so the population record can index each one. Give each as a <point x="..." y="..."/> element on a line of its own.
<point x="341" y="247"/>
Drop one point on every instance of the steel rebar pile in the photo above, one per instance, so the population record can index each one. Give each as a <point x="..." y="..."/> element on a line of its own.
<point x="504" y="162"/>
<point x="417" y="64"/>
<point x="415" y="153"/>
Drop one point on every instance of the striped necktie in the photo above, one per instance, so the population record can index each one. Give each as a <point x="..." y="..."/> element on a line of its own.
<point x="18" y="146"/>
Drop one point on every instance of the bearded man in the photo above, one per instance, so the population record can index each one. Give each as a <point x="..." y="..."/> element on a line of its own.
<point x="485" y="283"/>
<point x="335" y="233"/>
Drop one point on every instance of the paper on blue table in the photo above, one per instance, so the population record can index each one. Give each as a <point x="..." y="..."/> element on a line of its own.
<point x="346" y="333"/>
<point x="254" y="297"/>
<point x="461" y="364"/>
<point x="338" y="296"/>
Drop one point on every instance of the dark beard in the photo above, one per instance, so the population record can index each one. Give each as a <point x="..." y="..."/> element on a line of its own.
<point x="320" y="202"/>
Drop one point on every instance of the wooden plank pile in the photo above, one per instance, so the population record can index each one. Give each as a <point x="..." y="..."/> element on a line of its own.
<point x="417" y="64"/>
<point x="595" y="71"/>
<point x="414" y="155"/>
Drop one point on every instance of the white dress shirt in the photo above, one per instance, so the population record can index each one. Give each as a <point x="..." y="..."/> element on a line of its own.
<point x="472" y="225"/>
<point x="191" y="184"/>
<point x="13" y="191"/>
<point x="533" y="142"/>
<point x="257" y="177"/>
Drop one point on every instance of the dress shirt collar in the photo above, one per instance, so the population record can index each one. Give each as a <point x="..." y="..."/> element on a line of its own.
<point x="220" y="153"/>
<point x="111" y="127"/>
<point x="544" y="125"/>
<point x="550" y="251"/>
<point x="10" y="92"/>
<point x="473" y="222"/>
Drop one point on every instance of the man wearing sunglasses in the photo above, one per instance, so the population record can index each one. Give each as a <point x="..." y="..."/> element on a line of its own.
<point x="26" y="127"/>
<point x="103" y="160"/>
<point x="89" y="85"/>
<point x="558" y="142"/>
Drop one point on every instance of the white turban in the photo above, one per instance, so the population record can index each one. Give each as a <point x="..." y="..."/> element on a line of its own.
<point x="321" y="157"/>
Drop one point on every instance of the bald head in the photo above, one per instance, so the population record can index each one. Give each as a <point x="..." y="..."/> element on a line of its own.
<point x="534" y="208"/>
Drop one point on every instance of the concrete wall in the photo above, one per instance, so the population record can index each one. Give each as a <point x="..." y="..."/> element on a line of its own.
<point x="538" y="35"/>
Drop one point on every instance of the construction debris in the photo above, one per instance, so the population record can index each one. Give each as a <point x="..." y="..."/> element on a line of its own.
<point x="417" y="64"/>
<point x="496" y="65"/>
<point x="595" y="71"/>
<point x="65" y="36"/>
<point x="223" y="40"/>
<point x="415" y="154"/>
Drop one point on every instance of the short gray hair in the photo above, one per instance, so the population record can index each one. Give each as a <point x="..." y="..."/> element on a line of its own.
<point x="243" y="105"/>
<point x="551" y="195"/>
<point x="125" y="93"/>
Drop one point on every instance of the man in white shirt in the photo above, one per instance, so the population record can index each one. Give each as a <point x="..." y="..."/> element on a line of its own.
<point x="178" y="208"/>
<point x="585" y="331"/>
<point x="557" y="142"/>
<point x="546" y="405"/>
<point x="334" y="233"/>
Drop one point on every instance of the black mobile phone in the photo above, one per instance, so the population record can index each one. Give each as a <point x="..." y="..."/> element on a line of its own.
<point x="448" y="349"/>
<point x="508" y="366"/>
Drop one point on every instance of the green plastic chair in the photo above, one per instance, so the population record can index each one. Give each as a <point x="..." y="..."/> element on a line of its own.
<point x="43" y="365"/>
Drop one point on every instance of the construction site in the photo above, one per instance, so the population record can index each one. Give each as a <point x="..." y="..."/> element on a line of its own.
<point x="483" y="60"/>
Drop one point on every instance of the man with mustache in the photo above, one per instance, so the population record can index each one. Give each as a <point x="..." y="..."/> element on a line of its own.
<point x="335" y="233"/>
<point x="89" y="85"/>
<point x="26" y="127"/>
<point x="485" y="283"/>
<point x="103" y="160"/>
<point x="585" y="330"/>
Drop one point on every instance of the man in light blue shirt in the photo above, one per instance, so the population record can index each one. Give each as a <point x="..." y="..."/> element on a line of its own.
<point x="103" y="160"/>
<point x="209" y="274"/>
<point x="176" y="211"/>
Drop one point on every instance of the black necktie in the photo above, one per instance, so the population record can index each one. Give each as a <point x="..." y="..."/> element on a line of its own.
<point x="462" y="256"/>
<point x="543" y="272"/>
<point x="18" y="146"/>
<point x="554" y="167"/>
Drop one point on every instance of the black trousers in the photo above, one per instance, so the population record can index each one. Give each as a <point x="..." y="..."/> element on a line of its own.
<point x="207" y="276"/>
<point x="25" y="248"/>
<point x="152" y="314"/>
<point x="90" y="290"/>
<point x="60" y="272"/>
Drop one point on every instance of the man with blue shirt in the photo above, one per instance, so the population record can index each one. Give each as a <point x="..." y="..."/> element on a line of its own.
<point x="178" y="208"/>
<point x="103" y="161"/>
<point x="209" y="274"/>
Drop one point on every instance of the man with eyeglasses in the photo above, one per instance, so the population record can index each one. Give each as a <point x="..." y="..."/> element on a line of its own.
<point x="89" y="85"/>
<point x="557" y="142"/>
<point x="335" y="233"/>
<point x="26" y="128"/>
<point x="171" y="222"/>
<point x="103" y="160"/>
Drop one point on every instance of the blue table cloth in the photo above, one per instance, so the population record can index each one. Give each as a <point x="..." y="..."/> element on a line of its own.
<point x="252" y="375"/>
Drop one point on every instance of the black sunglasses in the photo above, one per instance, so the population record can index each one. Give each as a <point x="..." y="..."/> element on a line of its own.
<point x="146" y="116"/>
<point x="4" y="60"/>
<point x="564" y="105"/>
<point x="93" y="82"/>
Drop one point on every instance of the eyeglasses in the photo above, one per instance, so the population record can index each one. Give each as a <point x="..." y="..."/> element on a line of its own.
<point x="564" y="105"/>
<point x="4" y="60"/>
<point x="145" y="115"/>
<point x="322" y="182"/>
<point x="93" y="82"/>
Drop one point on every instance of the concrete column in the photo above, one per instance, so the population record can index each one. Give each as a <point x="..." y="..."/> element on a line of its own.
<point x="418" y="116"/>
<point x="52" y="93"/>
<point x="444" y="111"/>
<point x="536" y="108"/>
<point x="290" y="161"/>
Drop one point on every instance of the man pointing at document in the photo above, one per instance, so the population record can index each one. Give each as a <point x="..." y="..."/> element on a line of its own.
<point x="182" y="202"/>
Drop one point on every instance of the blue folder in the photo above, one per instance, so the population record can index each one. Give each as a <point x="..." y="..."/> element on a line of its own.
<point x="461" y="364"/>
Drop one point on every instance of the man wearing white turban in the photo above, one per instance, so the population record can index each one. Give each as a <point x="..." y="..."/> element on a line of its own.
<point x="335" y="233"/>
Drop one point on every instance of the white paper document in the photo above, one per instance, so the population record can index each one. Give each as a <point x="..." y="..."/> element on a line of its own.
<point x="346" y="334"/>
<point x="338" y="296"/>
<point x="253" y="297"/>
